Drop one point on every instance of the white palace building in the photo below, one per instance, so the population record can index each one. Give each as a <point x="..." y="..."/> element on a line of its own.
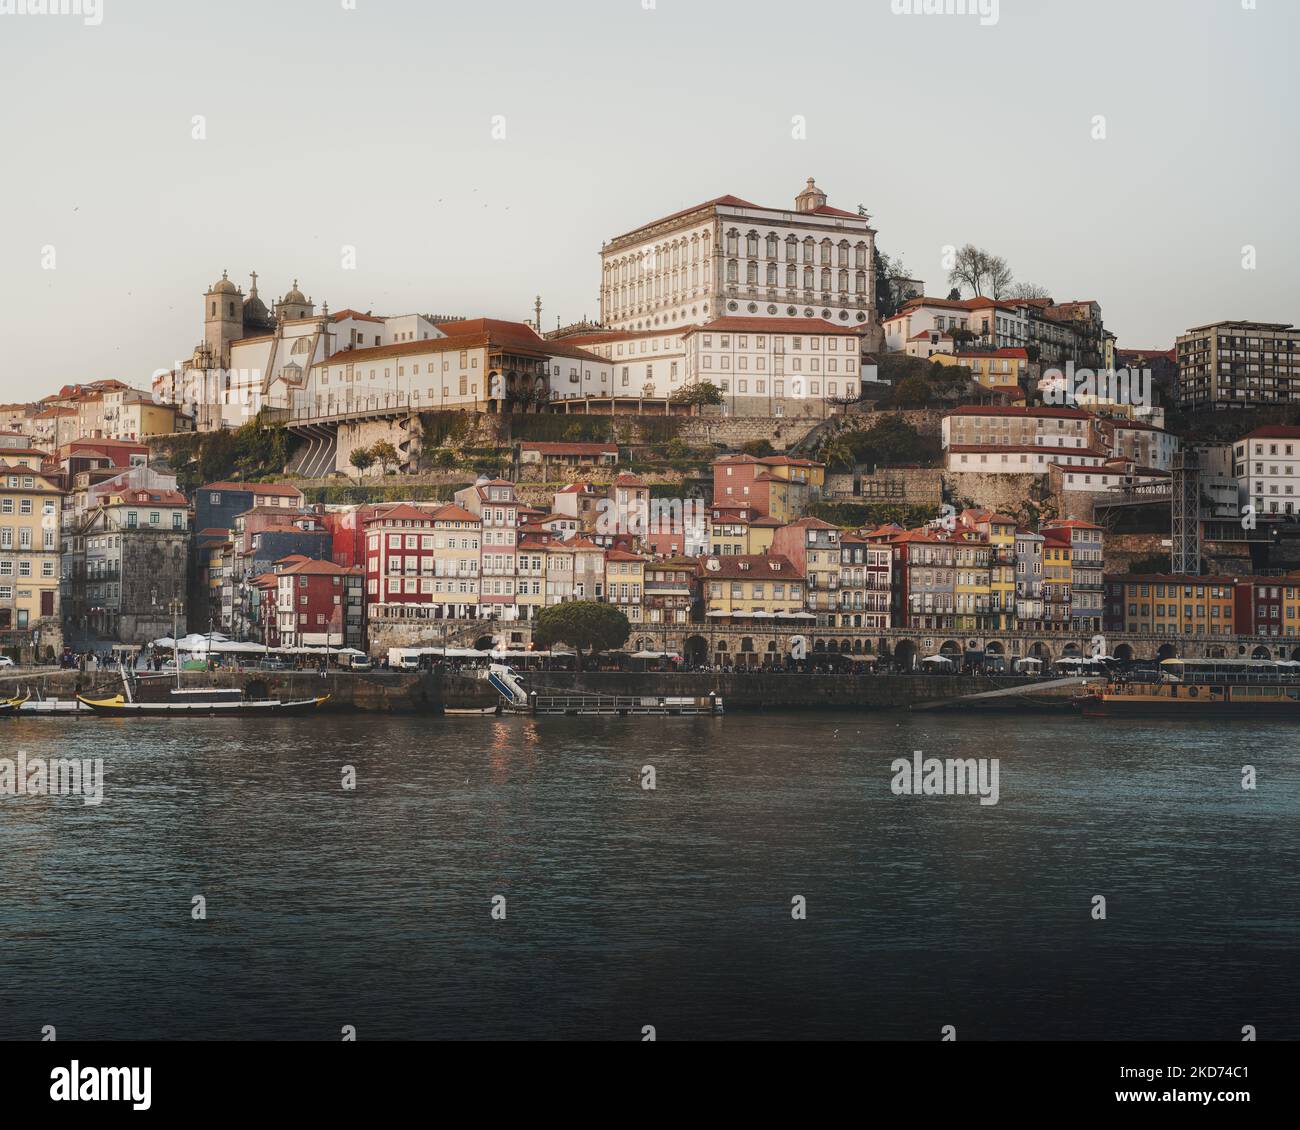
<point x="776" y="307"/>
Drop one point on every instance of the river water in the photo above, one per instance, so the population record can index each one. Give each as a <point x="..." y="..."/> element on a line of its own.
<point x="671" y="907"/>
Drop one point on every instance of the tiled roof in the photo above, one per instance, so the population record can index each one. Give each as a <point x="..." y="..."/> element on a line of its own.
<point x="1273" y="431"/>
<point x="750" y="567"/>
<point x="279" y="490"/>
<point x="1018" y="449"/>
<point x="570" y="448"/>
<point x="730" y="201"/>
<point x="355" y="315"/>
<point x="1036" y="411"/>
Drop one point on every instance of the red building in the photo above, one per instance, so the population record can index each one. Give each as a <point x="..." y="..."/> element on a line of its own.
<point x="1257" y="606"/>
<point x="423" y="564"/>
<point x="317" y="604"/>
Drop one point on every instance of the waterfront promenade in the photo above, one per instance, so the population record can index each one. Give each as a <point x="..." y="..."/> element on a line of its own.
<point x="428" y="692"/>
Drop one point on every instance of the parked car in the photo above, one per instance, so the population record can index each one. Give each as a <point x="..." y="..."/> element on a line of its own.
<point x="5" y="661"/>
<point x="361" y="663"/>
<point x="273" y="665"/>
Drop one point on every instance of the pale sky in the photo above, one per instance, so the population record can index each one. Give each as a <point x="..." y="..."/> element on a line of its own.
<point x="372" y="127"/>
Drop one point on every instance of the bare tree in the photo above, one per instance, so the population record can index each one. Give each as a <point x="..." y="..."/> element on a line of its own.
<point x="981" y="271"/>
<point x="1028" y="290"/>
<point x="999" y="277"/>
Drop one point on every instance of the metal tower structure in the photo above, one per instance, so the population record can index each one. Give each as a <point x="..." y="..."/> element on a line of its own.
<point x="1185" y="513"/>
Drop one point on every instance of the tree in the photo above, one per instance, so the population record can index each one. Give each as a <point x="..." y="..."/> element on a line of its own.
<point x="385" y="454"/>
<point x="982" y="271"/>
<point x="758" y="448"/>
<point x="583" y="625"/>
<point x="701" y="392"/>
<point x="890" y="292"/>
<point x="912" y="392"/>
<point x="1028" y="290"/>
<point x="838" y="452"/>
<point x="445" y="459"/>
<point x="362" y="459"/>
<point x="218" y="456"/>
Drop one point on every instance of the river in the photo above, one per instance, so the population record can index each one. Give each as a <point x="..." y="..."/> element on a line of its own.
<point x="669" y="907"/>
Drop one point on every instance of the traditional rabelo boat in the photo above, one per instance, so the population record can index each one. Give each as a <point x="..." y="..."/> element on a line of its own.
<point x="11" y="705"/>
<point x="1200" y="688"/>
<point x="144" y="697"/>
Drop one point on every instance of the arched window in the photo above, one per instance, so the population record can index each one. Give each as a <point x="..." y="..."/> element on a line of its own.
<point x="826" y="278"/>
<point x="751" y="273"/>
<point x="791" y="249"/>
<point x="733" y="269"/>
<point x="844" y="282"/>
<point x="807" y="278"/>
<point x="844" y="253"/>
<point x="792" y="276"/>
<point x="751" y="245"/>
<point x="771" y="274"/>
<point x="772" y="245"/>
<point x="809" y="250"/>
<point x="826" y="252"/>
<point x="860" y="257"/>
<point x="860" y="282"/>
<point x="733" y="241"/>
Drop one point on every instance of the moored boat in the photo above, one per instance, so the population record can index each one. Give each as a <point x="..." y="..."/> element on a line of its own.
<point x="10" y="706"/>
<point x="230" y="703"/>
<point x="1211" y="688"/>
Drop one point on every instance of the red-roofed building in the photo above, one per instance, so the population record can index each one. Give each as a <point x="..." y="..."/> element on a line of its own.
<point x="423" y="564"/>
<point x="494" y="503"/>
<point x="776" y="486"/>
<point x="731" y="257"/>
<point x="316" y="604"/>
<point x="568" y="454"/>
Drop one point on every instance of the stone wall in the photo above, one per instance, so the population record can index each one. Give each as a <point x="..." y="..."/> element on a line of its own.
<point x="155" y="570"/>
<point x="908" y="486"/>
<point x="1009" y="493"/>
<point x="366" y="434"/>
<point x="380" y="692"/>
<point x="762" y="691"/>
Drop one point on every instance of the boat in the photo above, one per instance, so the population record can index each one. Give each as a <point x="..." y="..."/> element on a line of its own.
<point x="1208" y="688"/>
<point x="52" y="706"/>
<point x="145" y="695"/>
<point x="11" y="705"/>
<point x="202" y="702"/>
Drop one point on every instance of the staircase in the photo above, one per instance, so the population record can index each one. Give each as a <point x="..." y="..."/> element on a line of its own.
<point x="315" y="458"/>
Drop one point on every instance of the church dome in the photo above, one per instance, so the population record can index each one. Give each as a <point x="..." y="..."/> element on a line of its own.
<point x="224" y="286"/>
<point x="257" y="318"/>
<point x="295" y="297"/>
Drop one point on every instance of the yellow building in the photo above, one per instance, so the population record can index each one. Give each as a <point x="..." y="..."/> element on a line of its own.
<point x="1058" y="568"/>
<point x="972" y="585"/>
<point x="1175" y="605"/>
<point x="625" y="582"/>
<point x="132" y="415"/>
<point x="30" y="506"/>
<point x="999" y="531"/>
<point x="530" y="586"/>
<point x="739" y="530"/>
<point x="743" y="585"/>
<point x="779" y="486"/>
<point x="996" y="368"/>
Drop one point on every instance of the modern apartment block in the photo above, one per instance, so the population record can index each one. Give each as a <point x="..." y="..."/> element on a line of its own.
<point x="1239" y="365"/>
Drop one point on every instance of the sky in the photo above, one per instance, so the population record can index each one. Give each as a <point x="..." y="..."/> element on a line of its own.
<point x="375" y="125"/>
